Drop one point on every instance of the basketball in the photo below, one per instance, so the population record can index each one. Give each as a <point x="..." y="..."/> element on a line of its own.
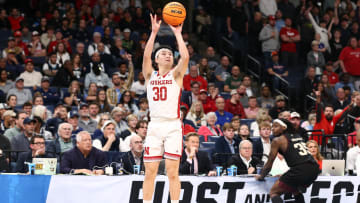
<point x="174" y="13"/>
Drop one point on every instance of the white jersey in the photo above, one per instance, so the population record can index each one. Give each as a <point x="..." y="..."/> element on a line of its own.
<point x="163" y="94"/>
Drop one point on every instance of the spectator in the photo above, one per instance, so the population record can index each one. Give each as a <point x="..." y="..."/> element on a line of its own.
<point x="244" y="133"/>
<point x="269" y="37"/>
<point x="336" y="45"/>
<point x="265" y="100"/>
<point x="106" y="58"/>
<point x="32" y="78"/>
<point x="11" y="101"/>
<point x="61" y="54"/>
<point x="315" y="58"/>
<point x="131" y="130"/>
<point x="118" y="114"/>
<point x="194" y="161"/>
<point x="14" y="49"/>
<point x="135" y="155"/>
<point x="253" y="109"/>
<point x="234" y="80"/>
<point x="37" y="146"/>
<point x="205" y="71"/>
<point x="352" y="158"/>
<point x="59" y="116"/>
<point x="12" y="65"/>
<point x="194" y="76"/>
<point x="64" y="76"/>
<point x="309" y="124"/>
<point x="341" y="101"/>
<point x="128" y="103"/>
<point x="91" y="93"/>
<point x="203" y="21"/>
<point x="329" y="72"/>
<point x="20" y="142"/>
<point x="93" y="47"/>
<point x="52" y="66"/>
<point x="4" y="155"/>
<point x="127" y="42"/>
<point x="82" y="34"/>
<point x="143" y="112"/>
<point x="241" y="90"/>
<point x="262" y="146"/>
<point x="226" y="145"/>
<point x="114" y="94"/>
<point x="289" y="37"/>
<point x="40" y="115"/>
<point x="73" y="96"/>
<point x="280" y="106"/>
<point x="78" y="67"/>
<point x="187" y="125"/>
<point x="94" y="111"/>
<point x="295" y="119"/>
<point x="108" y="141"/>
<point x="80" y="50"/>
<point x="47" y="36"/>
<point x="314" y="150"/>
<point x="73" y="119"/>
<point x="138" y="88"/>
<point x="59" y="39"/>
<point x="63" y="142"/>
<point x="233" y="105"/>
<point x="222" y="71"/>
<point x="8" y="120"/>
<point x="83" y="157"/>
<point x="349" y="58"/>
<point x="22" y="95"/>
<point x="36" y="49"/>
<point x="244" y="161"/>
<point x="276" y="70"/>
<point x="207" y="103"/>
<point x="85" y="122"/>
<point x="5" y="84"/>
<point x="20" y="43"/>
<point x="210" y="129"/>
<point x="102" y="101"/>
<point x="97" y="76"/>
<point x="268" y="7"/>
<point x="196" y="114"/>
<point x="15" y="19"/>
<point x="222" y="115"/>
<point x="192" y="96"/>
<point x="344" y="81"/>
<point x="19" y="126"/>
<point x="50" y="97"/>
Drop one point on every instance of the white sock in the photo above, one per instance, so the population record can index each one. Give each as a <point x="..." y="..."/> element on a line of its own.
<point x="174" y="201"/>
<point x="147" y="201"/>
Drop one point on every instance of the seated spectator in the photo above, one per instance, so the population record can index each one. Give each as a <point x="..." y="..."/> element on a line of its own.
<point x="188" y="97"/>
<point x="253" y="109"/>
<point x="351" y="139"/>
<point x="102" y="118"/>
<point x="314" y="150"/>
<point x="222" y="115"/>
<point x="52" y="66"/>
<point x="207" y="103"/>
<point x="13" y="48"/>
<point x="40" y="114"/>
<point x="36" y="49"/>
<point x="265" y="100"/>
<point x="4" y="155"/>
<point x="85" y="122"/>
<point x="127" y="42"/>
<point x="64" y="76"/>
<point x="59" y="116"/>
<point x="262" y="146"/>
<point x="244" y="133"/>
<point x="12" y="65"/>
<point x="233" y="105"/>
<point x="84" y="57"/>
<point x="329" y="72"/>
<point x="59" y="39"/>
<point x="11" y="101"/>
<point x="113" y="94"/>
<point x="102" y="101"/>
<point x="8" y="120"/>
<point x="83" y="158"/>
<point x="108" y="141"/>
<point x="22" y="95"/>
<point x="349" y="59"/>
<point x="280" y="105"/>
<point x="37" y="146"/>
<point x="134" y="156"/>
<point x="222" y="72"/>
<point x="106" y="58"/>
<point x="234" y="81"/>
<point x="118" y="50"/>
<point x="19" y="126"/>
<point x="196" y="114"/>
<point x="226" y="145"/>
<point x="27" y="107"/>
<point x="73" y="97"/>
<point x="91" y="94"/>
<point x="194" y="76"/>
<point x="244" y="160"/>
<point x="352" y="158"/>
<point x="20" y="142"/>
<point x="94" y="110"/>
<point x="138" y="88"/>
<point x="98" y="76"/>
<point x="205" y="71"/>
<point x="327" y="92"/>
<point x="235" y="122"/>
<point x="285" y="115"/>
<point x="341" y="101"/>
<point x="131" y="130"/>
<point x="93" y="47"/>
<point x="118" y="115"/>
<point x="50" y="97"/>
<point x="194" y="161"/>
<point x="250" y="89"/>
<point x="241" y="90"/>
<point x="73" y="119"/>
<point x="187" y="125"/>
<point x="210" y="129"/>
<point x="78" y="67"/>
<point x="128" y="103"/>
<point x="309" y="124"/>
<point x="61" y="54"/>
<point x="47" y="36"/>
<point x="5" y="84"/>
<point x="63" y="142"/>
<point x="344" y="80"/>
<point x="143" y="112"/>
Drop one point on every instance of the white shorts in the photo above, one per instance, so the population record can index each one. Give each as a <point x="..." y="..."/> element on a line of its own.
<point x="164" y="137"/>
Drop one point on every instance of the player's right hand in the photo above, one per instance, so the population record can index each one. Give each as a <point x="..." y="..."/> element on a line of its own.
<point x="155" y="25"/>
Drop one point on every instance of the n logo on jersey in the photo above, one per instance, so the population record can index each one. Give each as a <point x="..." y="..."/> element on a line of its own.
<point x="147" y="150"/>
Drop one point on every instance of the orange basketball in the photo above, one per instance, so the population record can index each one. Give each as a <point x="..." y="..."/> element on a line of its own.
<point x="174" y="13"/>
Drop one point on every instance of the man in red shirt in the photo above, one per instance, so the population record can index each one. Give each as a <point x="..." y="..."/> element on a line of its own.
<point x="59" y="38"/>
<point x="208" y="104"/>
<point x="350" y="58"/>
<point x="234" y="106"/>
<point x="20" y="43"/>
<point x="289" y="37"/>
<point x="15" y="19"/>
<point x="194" y="76"/>
<point x="332" y="76"/>
<point x="325" y="119"/>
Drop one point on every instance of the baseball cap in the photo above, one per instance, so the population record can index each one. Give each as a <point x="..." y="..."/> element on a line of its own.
<point x="45" y="78"/>
<point x="203" y="91"/>
<point x="106" y="123"/>
<point x="28" y="61"/>
<point x="17" y="33"/>
<point x="280" y="98"/>
<point x="295" y="115"/>
<point x="271" y="17"/>
<point x="11" y="38"/>
<point x="127" y="30"/>
<point x="274" y="53"/>
<point x="19" y="78"/>
<point x="35" y="33"/>
<point x="28" y="120"/>
<point x="233" y="92"/>
<point x="183" y="107"/>
<point x="357" y="120"/>
<point x="84" y="104"/>
<point x="72" y="114"/>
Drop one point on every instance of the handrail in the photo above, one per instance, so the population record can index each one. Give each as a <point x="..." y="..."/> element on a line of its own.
<point x="282" y="79"/>
<point x="310" y="97"/>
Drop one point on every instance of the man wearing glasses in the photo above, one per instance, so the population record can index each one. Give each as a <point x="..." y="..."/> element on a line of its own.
<point x="135" y="155"/>
<point x="37" y="146"/>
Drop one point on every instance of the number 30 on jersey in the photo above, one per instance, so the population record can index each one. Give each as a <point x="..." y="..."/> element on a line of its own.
<point x="160" y="93"/>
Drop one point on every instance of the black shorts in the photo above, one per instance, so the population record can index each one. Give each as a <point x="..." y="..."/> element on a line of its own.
<point x="302" y="175"/>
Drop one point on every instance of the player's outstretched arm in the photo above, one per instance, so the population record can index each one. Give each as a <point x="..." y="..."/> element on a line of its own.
<point x="147" y="62"/>
<point x="275" y="144"/>
<point x="183" y="63"/>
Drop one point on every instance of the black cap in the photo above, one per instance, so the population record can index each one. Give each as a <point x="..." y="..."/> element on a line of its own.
<point x="28" y="120"/>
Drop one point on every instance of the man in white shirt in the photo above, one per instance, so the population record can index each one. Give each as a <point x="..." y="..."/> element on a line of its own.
<point x="353" y="157"/>
<point x="138" y="88"/>
<point x="31" y="77"/>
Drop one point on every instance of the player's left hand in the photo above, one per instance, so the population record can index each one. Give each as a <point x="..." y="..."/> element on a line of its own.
<point x="259" y="178"/>
<point x="177" y="29"/>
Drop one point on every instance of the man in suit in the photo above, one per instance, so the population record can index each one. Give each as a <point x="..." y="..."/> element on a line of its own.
<point x="262" y="146"/>
<point x="194" y="161"/>
<point x="135" y="155"/>
<point x="226" y="145"/>
<point x="244" y="161"/>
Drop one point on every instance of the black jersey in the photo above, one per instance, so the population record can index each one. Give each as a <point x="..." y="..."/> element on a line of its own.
<point x="296" y="152"/>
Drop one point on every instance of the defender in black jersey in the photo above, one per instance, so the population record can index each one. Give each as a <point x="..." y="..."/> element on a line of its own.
<point x="303" y="168"/>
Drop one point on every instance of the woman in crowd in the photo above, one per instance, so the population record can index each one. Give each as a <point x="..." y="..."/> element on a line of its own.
<point x="61" y="53"/>
<point x="91" y="94"/>
<point x="128" y="103"/>
<point x="103" y="117"/>
<point x="313" y="148"/>
<point x="79" y="69"/>
<point x="39" y="113"/>
<point x="196" y="114"/>
<point x="210" y="129"/>
<point x="103" y="102"/>
<point x="73" y="96"/>
<point x="244" y="133"/>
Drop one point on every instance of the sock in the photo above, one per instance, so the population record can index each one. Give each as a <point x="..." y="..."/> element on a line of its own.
<point x="147" y="201"/>
<point x="299" y="198"/>
<point x="276" y="199"/>
<point x="174" y="201"/>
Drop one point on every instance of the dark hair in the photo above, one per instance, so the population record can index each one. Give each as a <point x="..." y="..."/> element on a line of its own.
<point x="28" y="103"/>
<point x="32" y="139"/>
<point x="11" y="95"/>
<point x="143" y="100"/>
<point x="19" y="112"/>
<point x="140" y="123"/>
<point x="94" y="103"/>
<point x="194" y="83"/>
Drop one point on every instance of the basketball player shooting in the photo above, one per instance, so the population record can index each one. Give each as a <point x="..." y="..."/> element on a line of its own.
<point x="164" y="135"/>
<point x="303" y="168"/>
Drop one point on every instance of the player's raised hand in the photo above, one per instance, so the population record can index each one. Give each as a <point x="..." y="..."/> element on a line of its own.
<point x="155" y="25"/>
<point x="177" y="29"/>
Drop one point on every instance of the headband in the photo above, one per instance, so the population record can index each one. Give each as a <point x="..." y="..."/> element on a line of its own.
<point x="280" y="122"/>
<point x="158" y="51"/>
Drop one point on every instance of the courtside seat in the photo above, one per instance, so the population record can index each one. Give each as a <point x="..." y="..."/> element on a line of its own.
<point x="207" y="145"/>
<point x="212" y="138"/>
<point x="246" y="122"/>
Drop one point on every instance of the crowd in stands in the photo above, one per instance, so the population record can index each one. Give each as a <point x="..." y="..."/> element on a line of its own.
<point x="71" y="85"/>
